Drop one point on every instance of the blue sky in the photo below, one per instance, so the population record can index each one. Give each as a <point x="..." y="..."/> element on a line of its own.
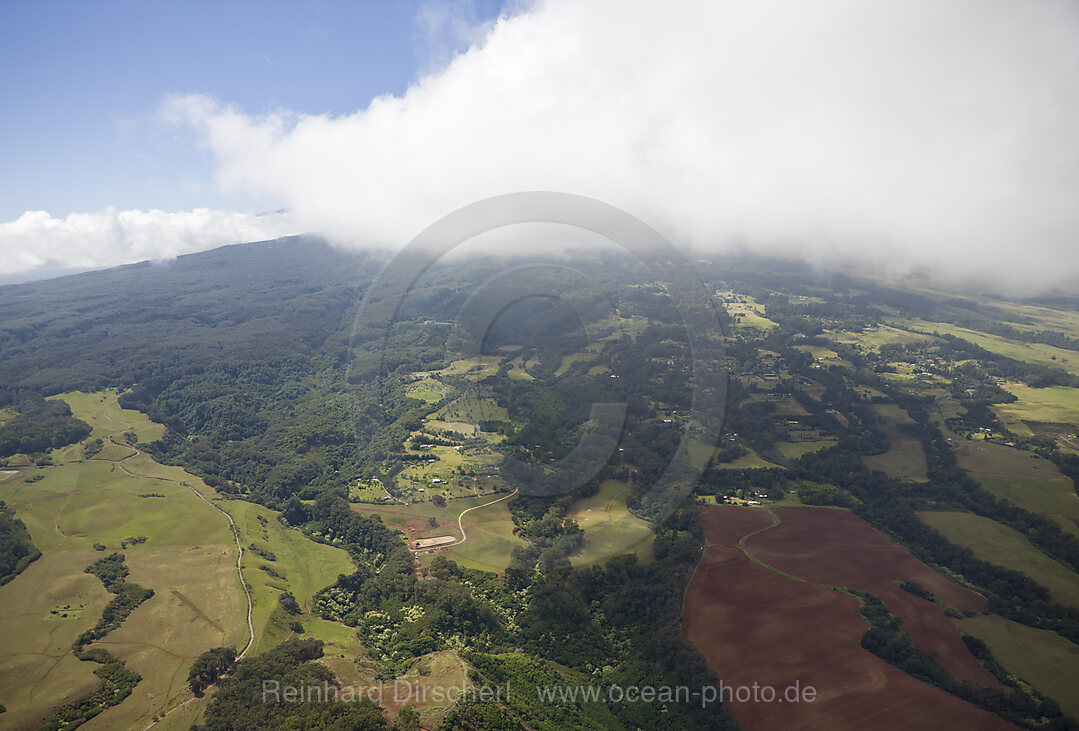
<point x="82" y="82"/>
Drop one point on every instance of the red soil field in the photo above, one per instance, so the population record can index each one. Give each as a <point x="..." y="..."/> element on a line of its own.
<point x="840" y="549"/>
<point x="756" y="626"/>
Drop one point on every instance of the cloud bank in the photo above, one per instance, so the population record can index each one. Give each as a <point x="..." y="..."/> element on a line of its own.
<point x="913" y="133"/>
<point x="37" y="242"/>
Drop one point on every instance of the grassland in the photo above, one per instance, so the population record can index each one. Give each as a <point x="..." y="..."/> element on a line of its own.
<point x="1006" y="547"/>
<point x="303" y="566"/>
<point x="818" y="352"/>
<point x="474" y="410"/>
<point x="1052" y="496"/>
<point x="905" y="457"/>
<point x="1041" y="657"/>
<point x="1058" y="404"/>
<point x="489" y="529"/>
<point x="1025" y="479"/>
<point x="745" y="312"/>
<point x="38" y="671"/>
<point x="748" y="461"/>
<point x="517" y="370"/>
<point x="476" y="368"/>
<point x="568" y="361"/>
<point x="873" y="338"/>
<point x="428" y="389"/>
<point x="188" y="559"/>
<point x="1045" y="355"/>
<point x="794" y="450"/>
<point x="610" y="528"/>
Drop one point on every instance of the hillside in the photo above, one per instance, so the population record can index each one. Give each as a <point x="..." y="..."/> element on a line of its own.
<point x="385" y="508"/>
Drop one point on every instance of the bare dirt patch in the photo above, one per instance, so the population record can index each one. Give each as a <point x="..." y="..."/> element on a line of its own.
<point x="838" y="548"/>
<point x="755" y="625"/>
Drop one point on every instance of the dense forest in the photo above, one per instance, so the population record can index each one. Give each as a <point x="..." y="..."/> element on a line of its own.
<point x="17" y="551"/>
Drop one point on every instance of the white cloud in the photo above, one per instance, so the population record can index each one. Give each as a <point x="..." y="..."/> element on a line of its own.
<point x="911" y="131"/>
<point x="37" y="241"/>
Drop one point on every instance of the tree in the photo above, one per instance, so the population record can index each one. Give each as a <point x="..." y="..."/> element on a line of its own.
<point x="209" y="667"/>
<point x="407" y="720"/>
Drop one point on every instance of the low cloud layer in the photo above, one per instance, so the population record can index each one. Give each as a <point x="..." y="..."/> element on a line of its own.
<point x="37" y="242"/>
<point x="912" y="133"/>
<point x="909" y="133"/>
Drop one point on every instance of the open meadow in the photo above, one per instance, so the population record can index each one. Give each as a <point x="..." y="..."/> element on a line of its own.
<point x="1007" y="547"/>
<point x="185" y="552"/>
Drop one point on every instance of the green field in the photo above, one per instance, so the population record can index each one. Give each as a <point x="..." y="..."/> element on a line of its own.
<point x="905" y="458"/>
<point x="1041" y="657"/>
<point x="428" y="389"/>
<point x="489" y="530"/>
<point x="1029" y="481"/>
<point x="188" y="559"/>
<point x="569" y="360"/>
<point x="306" y="566"/>
<point x="39" y="672"/>
<point x="794" y="450"/>
<point x="749" y="461"/>
<point x="1004" y="546"/>
<point x="474" y="410"/>
<point x="1038" y="353"/>
<point x="367" y="491"/>
<point x="1052" y="496"/>
<point x="1058" y="404"/>
<point x="476" y="368"/>
<point x="517" y="370"/>
<point x="818" y="352"/>
<point x="874" y="337"/>
<point x="610" y="528"/>
<point x="490" y="537"/>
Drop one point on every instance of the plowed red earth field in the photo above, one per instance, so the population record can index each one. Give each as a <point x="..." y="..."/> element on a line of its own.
<point x="839" y="548"/>
<point x="757" y="626"/>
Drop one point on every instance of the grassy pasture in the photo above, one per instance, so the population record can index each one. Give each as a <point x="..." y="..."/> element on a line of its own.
<point x="1038" y="353"/>
<point x="188" y="560"/>
<point x="747" y="313"/>
<point x="988" y="458"/>
<point x="874" y="338"/>
<point x="474" y="409"/>
<point x="428" y="389"/>
<point x="489" y="529"/>
<point x="475" y="368"/>
<point x="1004" y="546"/>
<point x="817" y="352"/>
<point x="794" y="450"/>
<point x="1025" y="479"/>
<point x="1058" y="404"/>
<point x="1053" y="496"/>
<point x="38" y="671"/>
<point x="610" y="528"/>
<point x="1041" y="657"/>
<point x="490" y="537"/>
<point x="1037" y="317"/>
<point x="905" y="457"/>
<point x="517" y="371"/>
<point x="105" y="416"/>
<point x="631" y="326"/>
<point x="749" y="461"/>
<point x="306" y="566"/>
<point x="430" y="678"/>
<point x="569" y="360"/>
